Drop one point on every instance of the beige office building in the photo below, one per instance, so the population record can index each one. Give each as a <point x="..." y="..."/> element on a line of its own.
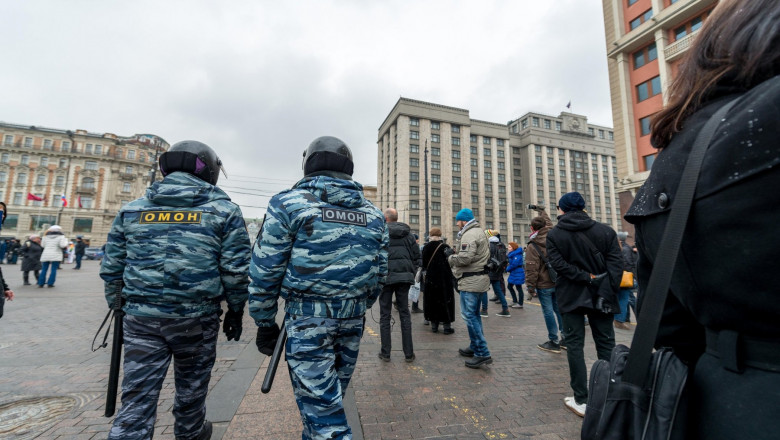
<point x="97" y="173"/>
<point x="646" y="40"/>
<point x="491" y="168"/>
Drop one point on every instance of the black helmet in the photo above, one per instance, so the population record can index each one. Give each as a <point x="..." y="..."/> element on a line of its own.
<point x="328" y="156"/>
<point x="192" y="157"/>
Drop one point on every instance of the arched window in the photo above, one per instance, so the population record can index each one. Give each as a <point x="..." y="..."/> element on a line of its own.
<point x="88" y="183"/>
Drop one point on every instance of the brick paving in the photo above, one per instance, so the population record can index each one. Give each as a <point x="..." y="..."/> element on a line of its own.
<point x="45" y="339"/>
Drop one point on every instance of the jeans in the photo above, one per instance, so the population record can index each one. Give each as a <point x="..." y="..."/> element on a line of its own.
<point x="401" y="291"/>
<point x="483" y="301"/>
<point x="631" y="305"/>
<point x="469" y="311"/>
<point x="516" y="297"/>
<point x="45" y="267"/>
<point x="499" y="291"/>
<point x="78" y="261"/>
<point x="574" y="332"/>
<point x="550" y="312"/>
<point x="623" y="295"/>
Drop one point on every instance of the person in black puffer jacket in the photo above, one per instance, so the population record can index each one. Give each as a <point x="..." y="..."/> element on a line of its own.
<point x="403" y="259"/>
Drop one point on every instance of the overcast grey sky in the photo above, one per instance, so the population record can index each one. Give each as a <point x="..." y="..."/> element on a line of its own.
<point x="259" y="80"/>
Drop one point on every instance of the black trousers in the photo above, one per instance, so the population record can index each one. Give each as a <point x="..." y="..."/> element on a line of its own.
<point x="401" y="291"/>
<point x="574" y="332"/>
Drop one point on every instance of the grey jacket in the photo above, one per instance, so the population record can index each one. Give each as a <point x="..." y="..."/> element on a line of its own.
<point x="472" y="254"/>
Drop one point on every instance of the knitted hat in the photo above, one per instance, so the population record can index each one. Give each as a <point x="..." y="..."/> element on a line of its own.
<point x="493" y="239"/>
<point x="56" y="228"/>
<point x="572" y="201"/>
<point x="464" y="215"/>
<point x="492" y="233"/>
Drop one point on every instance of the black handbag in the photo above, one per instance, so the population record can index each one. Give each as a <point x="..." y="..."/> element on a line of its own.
<point x="638" y="393"/>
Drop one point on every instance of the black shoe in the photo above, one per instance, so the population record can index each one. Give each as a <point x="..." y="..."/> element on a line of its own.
<point x="383" y="357"/>
<point x="27" y="284"/>
<point x="563" y="344"/>
<point x="410" y="358"/>
<point x="205" y="433"/>
<point x="448" y="330"/>
<point x="478" y="361"/>
<point x="550" y="346"/>
<point x="40" y="286"/>
<point x="417" y="310"/>
<point x="467" y="352"/>
<point x="50" y="285"/>
<point x="504" y="313"/>
<point x="435" y="328"/>
<point x="495" y="299"/>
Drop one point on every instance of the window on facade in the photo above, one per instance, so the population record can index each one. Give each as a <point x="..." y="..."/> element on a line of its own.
<point x="21" y="178"/>
<point x="501" y="177"/>
<point x="473" y="162"/>
<point x="488" y="176"/>
<point x="435" y="138"/>
<point x="644" y="124"/>
<point x="82" y="224"/>
<point x="601" y="134"/>
<point x="40" y="179"/>
<point x="648" y="88"/>
<point x="414" y="148"/>
<point x="535" y="121"/>
<point x="473" y="138"/>
<point x="98" y="149"/>
<point x="456" y="194"/>
<point x="435" y="220"/>
<point x="65" y="146"/>
<point x="414" y="219"/>
<point x="456" y="167"/>
<point x="474" y="187"/>
<point x="88" y="183"/>
<point x="435" y="151"/>
<point x="38" y="221"/>
<point x="59" y="181"/>
<point x="25" y="159"/>
<point x="434" y="125"/>
<point x="128" y="169"/>
<point x="611" y="136"/>
<point x="558" y="125"/>
<point x="456" y="180"/>
<point x="17" y="198"/>
<point x="539" y="182"/>
<point x="414" y="190"/>
<point x="131" y="154"/>
<point x="500" y="165"/>
<point x="455" y="128"/>
<point x="414" y="122"/>
<point x="488" y="188"/>
<point x="488" y="201"/>
<point x="414" y="175"/>
<point x="455" y="141"/>
<point x="486" y="163"/>
<point x="28" y="142"/>
<point x="47" y="144"/>
<point x="485" y="140"/>
<point x="474" y="175"/>
<point x="538" y="170"/>
<point x="414" y="134"/>
<point x="414" y="162"/>
<point x="436" y="206"/>
<point x="456" y="154"/>
<point x="3" y="176"/>
<point x="88" y="149"/>
<point x="524" y="123"/>
<point x="126" y="187"/>
<point x="436" y="178"/>
<point x="649" y="159"/>
<point x="547" y="124"/>
<point x="435" y="164"/>
<point x="473" y="150"/>
<point x="435" y="192"/>
<point x="414" y="204"/>
<point x="91" y="165"/>
<point x="8" y="140"/>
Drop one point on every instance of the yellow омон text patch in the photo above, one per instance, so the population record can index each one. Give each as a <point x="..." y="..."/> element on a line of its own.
<point x="170" y="217"/>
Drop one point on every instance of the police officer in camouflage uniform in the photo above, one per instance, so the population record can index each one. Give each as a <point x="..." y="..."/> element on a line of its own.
<point x="323" y="248"/>
<point x="179" y="251"/>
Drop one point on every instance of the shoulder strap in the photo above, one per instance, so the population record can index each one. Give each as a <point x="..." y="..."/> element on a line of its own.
<point x="433" y="255"/>
<point x="538" y="251"/>
<point x="666" y="258"/>
<point x="592" y="247"/>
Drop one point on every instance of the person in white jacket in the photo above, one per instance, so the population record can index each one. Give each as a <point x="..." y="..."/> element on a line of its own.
<point x="53" y="243"/>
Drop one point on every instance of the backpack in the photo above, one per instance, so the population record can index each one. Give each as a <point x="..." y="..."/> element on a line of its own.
<point x="498" y="259"/>
<point x="550" y="270"/>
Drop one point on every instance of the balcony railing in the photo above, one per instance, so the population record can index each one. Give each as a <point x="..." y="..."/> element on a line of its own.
<point x="86" y="189"/>
<point x="679" y="47"/>
<point x="127" y="176"/>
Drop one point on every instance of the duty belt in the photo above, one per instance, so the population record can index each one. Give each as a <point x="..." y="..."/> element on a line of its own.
<point x="735" y="351"/>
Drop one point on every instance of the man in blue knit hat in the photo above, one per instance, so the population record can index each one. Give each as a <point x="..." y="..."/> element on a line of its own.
<point x="468" y="259"/>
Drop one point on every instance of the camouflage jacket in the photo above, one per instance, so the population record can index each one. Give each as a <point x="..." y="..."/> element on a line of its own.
<point x="180" y="251"/>
<point x="323" y="248"/>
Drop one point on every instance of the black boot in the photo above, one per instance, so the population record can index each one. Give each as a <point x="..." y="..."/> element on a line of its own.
<point x="434" y="326"/>
<point x="448" y="330"/>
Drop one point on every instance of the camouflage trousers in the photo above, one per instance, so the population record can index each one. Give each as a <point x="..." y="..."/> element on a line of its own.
<point x="321" y="355"/>
<point x="149" y="345"/>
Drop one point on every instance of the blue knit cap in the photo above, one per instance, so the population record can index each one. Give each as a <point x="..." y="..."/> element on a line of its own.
<point x="464" y="215"/>
<point x="572" y="201"/>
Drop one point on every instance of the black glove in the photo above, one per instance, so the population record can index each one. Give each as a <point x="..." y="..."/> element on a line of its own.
<point x="448" y="251"/>
<point x="232" y="325"/>
<point x="266" y="339"/>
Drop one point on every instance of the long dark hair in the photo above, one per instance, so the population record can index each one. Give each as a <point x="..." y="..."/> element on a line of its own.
<point x="737" y="48"/>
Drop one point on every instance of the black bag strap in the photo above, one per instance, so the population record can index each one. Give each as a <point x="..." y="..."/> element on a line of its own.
<point x="658" y="287"/>
<point x="538" y="251"/>
<point x="432" y="255"/>
<point x="593" y="248"/>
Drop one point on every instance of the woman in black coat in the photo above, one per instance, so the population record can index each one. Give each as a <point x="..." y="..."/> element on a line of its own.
<point x="31" y="254"/>
<point x="722" y="315"/>
<point x="439" y="298"/>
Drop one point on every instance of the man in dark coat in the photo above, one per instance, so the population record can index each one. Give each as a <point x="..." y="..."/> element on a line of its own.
<point x="586" y="256"/>
<point x="79" y="251"/>
<point x="403" y="259"/>
<point x="13" y="251"/>
<point x="31" y="254"/>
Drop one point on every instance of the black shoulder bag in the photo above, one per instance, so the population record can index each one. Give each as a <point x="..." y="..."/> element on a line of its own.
<point x="638" y="393"/>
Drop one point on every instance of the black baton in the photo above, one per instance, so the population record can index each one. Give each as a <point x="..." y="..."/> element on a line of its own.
<point x="268" y="381"/>
<point x="116" y="352"/>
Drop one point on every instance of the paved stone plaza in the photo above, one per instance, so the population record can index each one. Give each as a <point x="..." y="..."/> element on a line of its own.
<point x="52" y="386"/>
